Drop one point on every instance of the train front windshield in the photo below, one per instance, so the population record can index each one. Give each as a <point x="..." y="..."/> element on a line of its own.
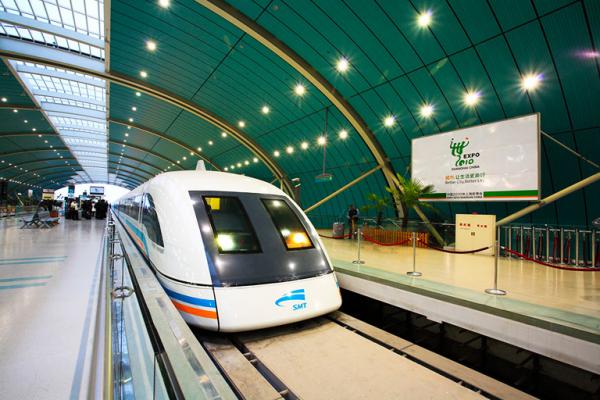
<point x="254" y="239"/>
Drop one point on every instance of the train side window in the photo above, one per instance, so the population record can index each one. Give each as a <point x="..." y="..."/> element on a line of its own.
<point x="150" y="220"/>
<point x="232" y="229"/>
<point x="288" y="225"/>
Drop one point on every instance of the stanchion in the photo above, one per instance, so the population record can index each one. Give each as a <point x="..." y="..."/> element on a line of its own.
<point x="359" y="235"/>
<point x="414" y="272"/>
<point x="495" y="290"/>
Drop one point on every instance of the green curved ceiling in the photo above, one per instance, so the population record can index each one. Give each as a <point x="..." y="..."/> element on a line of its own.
<point x="395" y="68"/>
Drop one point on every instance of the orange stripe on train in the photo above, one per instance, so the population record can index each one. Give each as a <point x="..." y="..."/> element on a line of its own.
<point x="195" y="311"/>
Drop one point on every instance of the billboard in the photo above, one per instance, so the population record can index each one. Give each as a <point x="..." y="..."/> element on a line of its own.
<point x="499" y="161"/>
<point x="47" y="194"/>
<point x="96" y="190"/>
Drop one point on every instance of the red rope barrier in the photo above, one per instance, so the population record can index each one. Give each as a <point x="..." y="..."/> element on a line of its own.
<point x="454" y="251"/>
<point x="370" y="239"/>
<point x="335" y="237"/>
<point x="523" y="256"/>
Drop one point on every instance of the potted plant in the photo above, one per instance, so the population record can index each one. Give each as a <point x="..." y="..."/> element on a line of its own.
<point x="378" y="204"/>
<point x="408" y="197"/>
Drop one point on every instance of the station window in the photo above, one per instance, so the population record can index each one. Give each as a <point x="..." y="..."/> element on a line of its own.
<point x="288" y="225"/>
<point x="231" y="227"/>
<point x="150" y="220"/>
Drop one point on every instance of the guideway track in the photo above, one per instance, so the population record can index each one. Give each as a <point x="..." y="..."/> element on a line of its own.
<point x="340" y="357"/>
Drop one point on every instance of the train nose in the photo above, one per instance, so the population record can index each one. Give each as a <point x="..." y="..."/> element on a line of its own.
<point x="262" y="306"/>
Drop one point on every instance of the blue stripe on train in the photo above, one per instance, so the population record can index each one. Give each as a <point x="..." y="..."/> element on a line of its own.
<point x="190" y="299"/>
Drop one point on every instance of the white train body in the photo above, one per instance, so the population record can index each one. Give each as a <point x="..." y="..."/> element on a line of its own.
<point x="232" y="252"/>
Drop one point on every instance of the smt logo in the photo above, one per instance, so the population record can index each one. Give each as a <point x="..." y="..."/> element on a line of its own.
<point x="295" y="298"/>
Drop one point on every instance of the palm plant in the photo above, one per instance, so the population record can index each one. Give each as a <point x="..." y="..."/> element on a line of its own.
<point x="378" y="204"/>
<point x="411" y="190"/>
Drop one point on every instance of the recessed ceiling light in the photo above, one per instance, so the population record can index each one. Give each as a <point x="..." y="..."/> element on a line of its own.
<point x="210" y="142"/>
<point x="4" y="99"/>
<point x="531" y="81"/>
<point x="15" y="110"/>
<point x="471" y="98"/>
<point x="246" y="162"/>
<point x="343" y="134"/>
<point x="126" y="134"/>
<point x="130" y="119"/>
<point x="178" y="162"/>
<point x="34" y="129"/>
<point x="138" y="94"/>
<point x="289" y="149"/>
<point x="304" y="145"/>
<point x="239" y="165"/>
<point x="151" y="45"/>
<point x="191" y="153"/>
<point x="321" y="140"/>
<point x="134" y="108"/>
<point x="342" y="64"/>
<point x="143" y="74"/>
<point x="299" y="89"/>
<point x="265" y="110"/>
<point x="199" y="148"/>
<point x="184" y="158"/>
<point x="424" y="19"/>
<point x="39" y="135"/>
<point x="223" y="134"/>
<point x="164" y="3"/>
<point x="426" y="110"/>
<point x="226" y="169"/>
<point x="389" y="121"/>
<point x="26" y="121"/>
<point x="255" y="160"/>
<point x="241" y="124"/>
<point x="45" y="141"/>
<point x="276" y="153"/>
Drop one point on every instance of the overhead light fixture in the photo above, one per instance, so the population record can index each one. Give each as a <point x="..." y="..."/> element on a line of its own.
<point x="530" y="82"/>
<point x="226" y="169"/>
<point x="321" y="140"/>
<point x="4" y="99"/>
<point x="239" y="165"/>
<point x="15" y="111"/>
<point x="138" y="94"/>
<point x="265" y="110"/>
<point x="191" y="153"/>
<point x="34" y="129"/>
<point x="199" y="148"/>
<point x="210" y="142"/>
<point x="276" y="153"/>
<point x="342" y="64"/>
<point x="424" y="19"/>
<point x="299" y="89"/>
<point x="134" y="108"/>
<point x="241" y="124"/>
<point x="126" y="134"/>
<point x="289" y="149"/>
<point x="143" y="74"/>
<point x="389" y="121"/>
<point x="130" y="119"/>
<point x="164" y="3"/>
<point x="26" y="121"/>
<point x="343" y="134"/>
<point x="223" y="134"/>
<point x="151" y="45"/>
<point x="246" y="162"/>
<point x="471" y="98"/>
<point x="255" y="159"/>
<point x="426" y="110"/>
<point x="304" y="145"/>
<point x="39" y="135"/>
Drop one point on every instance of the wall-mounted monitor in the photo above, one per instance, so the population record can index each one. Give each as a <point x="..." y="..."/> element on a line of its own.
<point x="96" y="190"/>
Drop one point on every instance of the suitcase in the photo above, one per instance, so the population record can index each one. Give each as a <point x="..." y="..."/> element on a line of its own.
<point x="338" y="230"/>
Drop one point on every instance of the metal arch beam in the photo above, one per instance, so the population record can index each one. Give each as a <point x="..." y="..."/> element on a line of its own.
<point x="66" y="96"/>
<point x="52" y="73"/>
<point x="283" y="51"/>
<point x="123" y="144"/>
<point x="5" y="106"/>
<point x="166" y="138"/>
<point x="16" y="153"/>
<point x="37" y="161"/>
<point x="16" y="134"/>
<point x="63" y="167"/>
<point x="13" y="52"/>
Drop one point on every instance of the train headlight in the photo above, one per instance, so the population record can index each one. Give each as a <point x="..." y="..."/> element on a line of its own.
<point x="225" y="242"/>
<point x="297" y="240"/>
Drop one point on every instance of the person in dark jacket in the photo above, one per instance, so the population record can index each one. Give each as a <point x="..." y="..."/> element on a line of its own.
<point x="352" y="216"/>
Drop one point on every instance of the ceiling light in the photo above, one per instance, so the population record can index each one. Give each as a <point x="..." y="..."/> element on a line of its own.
<point x="4" y="99"/>
<point x="15" y="110"/>
<point x="151" y="45"/>
<point x="471" y="98"/>
<point x="191" y="153"/>
<point x="134" y="108"/>
<point x="164" y="3"/>
<point x="321" y="140"/>
<point x="255" y="159"/>
<point x="289" y="149"/>
<point x="299" y="89"/>
<point x="265" y="110"/>
<point x="304" y="145"/>
<point x="426" y="110"/>
<point x="199" y="148"/>
<point x="246" y="162"/>
<point x="184" y="157"/>
<point x="239" y="165"/>
<point x="342" y="64"/>
<point x="39" y="135"/>
<point x="531" y="81"/>
<point x="223" y="134"/>
<point x="210" y="142"/>
<point x="130" y="119"/>
<point x="276" y="153"/>
<point x="343" y="134"/>
<point x="226" y="169"/>
<point x="138" y="94"/>
<point x="126" y="134"/>
<point x="45" y="141"/>
<point x="34" y="129"/>
<point x="424" y="19"/>
<point x="26" y="121"/>
<point x="178" y="162"/>
<point x="143" y="74"/>
<point x="389" y="121"/>
<point x="241" y="124"/>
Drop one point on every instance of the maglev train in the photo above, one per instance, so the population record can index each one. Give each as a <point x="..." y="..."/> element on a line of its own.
<point x="232" y="252"/>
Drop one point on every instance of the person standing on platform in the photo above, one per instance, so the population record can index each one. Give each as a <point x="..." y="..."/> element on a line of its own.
<point x="352" y="216"/>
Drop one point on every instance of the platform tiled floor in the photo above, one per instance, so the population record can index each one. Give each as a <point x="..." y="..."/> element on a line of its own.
<point x="563" y="297"/>
<point x="46" y="308"/>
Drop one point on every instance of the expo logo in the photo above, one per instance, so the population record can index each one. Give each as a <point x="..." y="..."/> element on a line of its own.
<point x="457" y="151"/>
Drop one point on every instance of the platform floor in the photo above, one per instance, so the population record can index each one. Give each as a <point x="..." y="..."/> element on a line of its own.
<point x="568" y="298"/>
<point x="46" y="313"/>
